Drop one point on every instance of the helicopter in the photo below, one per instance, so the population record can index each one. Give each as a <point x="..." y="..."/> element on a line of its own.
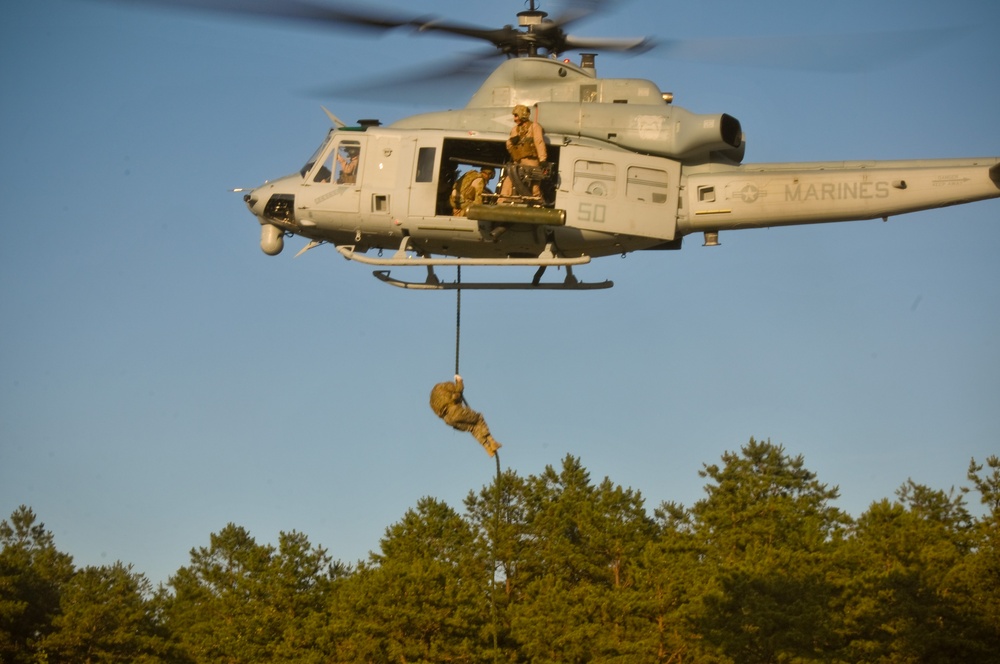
<point x="625" y="169"/>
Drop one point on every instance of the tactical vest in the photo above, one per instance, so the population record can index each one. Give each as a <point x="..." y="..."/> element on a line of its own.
<point x="464" y="192"/>
<point x="468" y="191"/>
<point x="525" y="148"/>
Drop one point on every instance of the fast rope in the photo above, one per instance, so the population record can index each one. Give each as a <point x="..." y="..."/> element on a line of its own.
<point x="458" y="319"/>
<point x="496" y="457"/>
<point x="493" y="552"/>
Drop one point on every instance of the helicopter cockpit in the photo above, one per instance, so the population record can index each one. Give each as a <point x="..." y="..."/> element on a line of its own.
<point x="340" y="165"/>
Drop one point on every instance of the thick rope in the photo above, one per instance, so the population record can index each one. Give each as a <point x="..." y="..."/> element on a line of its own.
<point x="496" y="456"/>
<point x="493" y="586"/>
<point x="458" y="319"/>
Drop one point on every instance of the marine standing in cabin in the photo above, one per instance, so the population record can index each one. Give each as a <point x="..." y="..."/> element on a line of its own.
<point x="448" y="403"/>
<point x="526" y="147"/>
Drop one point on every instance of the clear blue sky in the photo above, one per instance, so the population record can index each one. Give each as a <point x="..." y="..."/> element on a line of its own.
<point x="161" y="377"/>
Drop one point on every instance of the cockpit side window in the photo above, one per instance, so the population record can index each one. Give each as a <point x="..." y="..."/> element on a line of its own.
<point x="341" y="165"/>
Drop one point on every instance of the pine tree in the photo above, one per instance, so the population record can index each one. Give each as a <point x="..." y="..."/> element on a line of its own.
<point x="32" y="575"/>
<point x="767" y="529"/>
<point x="421" y="599"/>
<point x="106" y="617"/>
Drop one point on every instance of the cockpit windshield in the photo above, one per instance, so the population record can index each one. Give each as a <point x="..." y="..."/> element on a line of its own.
<point x="316" y="155"/>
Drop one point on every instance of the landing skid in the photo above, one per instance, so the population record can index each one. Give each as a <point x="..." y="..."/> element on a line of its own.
<point x="434" y="284"/>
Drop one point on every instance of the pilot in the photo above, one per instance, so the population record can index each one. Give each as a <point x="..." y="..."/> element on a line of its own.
<point x="448" y="403"/>
<point x="470" y="189"/>
<point x="526" y="146"/>
<point x="348" y="164"/>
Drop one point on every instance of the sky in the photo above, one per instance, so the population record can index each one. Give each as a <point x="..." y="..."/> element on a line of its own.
<point x="160" y="377"/>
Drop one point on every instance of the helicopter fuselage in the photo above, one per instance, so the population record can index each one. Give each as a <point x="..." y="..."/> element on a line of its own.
<point x="629" y="171"/>
<point x="614" y="200"/>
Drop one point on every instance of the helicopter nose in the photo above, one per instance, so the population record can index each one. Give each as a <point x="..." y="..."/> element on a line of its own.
<point x="274" y="211"/>
<point x="271" y="237"/>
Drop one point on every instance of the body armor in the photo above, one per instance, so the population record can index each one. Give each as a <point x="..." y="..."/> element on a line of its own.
<point x="524" y="147"/>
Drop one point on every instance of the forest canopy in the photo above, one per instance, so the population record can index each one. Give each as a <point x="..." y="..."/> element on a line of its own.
<point x="552" y="568"/>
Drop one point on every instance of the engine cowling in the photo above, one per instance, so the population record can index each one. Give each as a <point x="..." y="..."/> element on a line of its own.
<point x="660" y="129"/>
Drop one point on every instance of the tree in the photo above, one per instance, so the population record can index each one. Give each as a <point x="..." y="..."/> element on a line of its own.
<point x="767" y="529"/>
<point x="983" y="563"/>
<point x="497" y="516"/>
<point x="106" y="617"/>
<point x="979" y="594"/>
<point x="239" y="601"/>
<point x="422" y="599"/>
<point x="552" y="568"/>
<point x="671" y="578"/>
<point x="900" y="600"/>
<point x="579" y="574"/>
<point x="32" y="575"/>
<point x="988" y="486"/>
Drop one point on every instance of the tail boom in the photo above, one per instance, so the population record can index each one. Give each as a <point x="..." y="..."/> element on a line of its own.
<point x="764" y="195"/>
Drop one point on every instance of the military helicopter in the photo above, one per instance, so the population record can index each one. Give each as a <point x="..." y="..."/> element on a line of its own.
<point x="626" y="170"/>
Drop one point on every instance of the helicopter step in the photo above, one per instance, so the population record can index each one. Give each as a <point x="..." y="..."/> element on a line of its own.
<point x="434" y="283"/>
<point x="402" y="259"/>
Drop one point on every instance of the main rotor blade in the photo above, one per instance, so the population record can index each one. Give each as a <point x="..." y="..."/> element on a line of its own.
<point x="579" y="10"/>
<point x="831" y="53"/>
<point x="634" y="45"/>
<point x="329" y="15"/>
<point x="428" y="84"/>
<point x="332" y="15"/>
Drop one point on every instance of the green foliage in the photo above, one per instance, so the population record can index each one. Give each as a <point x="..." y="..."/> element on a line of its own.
<point x="766" y="530"/>
<point x="51" y="612"/>
<point x="105" y="617"/>
<point x="421" y="599"/>
<point x="239" y="601"/>
<point x="980" y="573"/>
<point x="32" y="573"/>
<point x="579" y="573"/>
<point x="553" y="568"/>
<point x="904" y="598"/>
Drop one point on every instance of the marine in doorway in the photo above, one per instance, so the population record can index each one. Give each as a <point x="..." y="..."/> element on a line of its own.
<point x="469" y="190"/>
<point x="448" y="403"/>
<point x="526" y="146"/>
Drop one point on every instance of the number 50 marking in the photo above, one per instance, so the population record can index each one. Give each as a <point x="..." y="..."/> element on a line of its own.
<point x="595" y="212"/>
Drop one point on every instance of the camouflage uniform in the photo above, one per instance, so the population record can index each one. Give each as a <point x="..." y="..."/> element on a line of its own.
<point x="526" y="146"/>
<point x="469" y="190"/>
<point x="448" y="403"/>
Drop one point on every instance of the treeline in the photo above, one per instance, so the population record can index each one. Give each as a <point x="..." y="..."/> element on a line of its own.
<point x="552" y="568"/>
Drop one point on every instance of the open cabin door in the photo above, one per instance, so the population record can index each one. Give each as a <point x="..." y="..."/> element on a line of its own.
<point x="619" y="192"/>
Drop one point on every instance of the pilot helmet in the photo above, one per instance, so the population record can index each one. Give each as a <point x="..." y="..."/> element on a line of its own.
<point x="522" y="112"/>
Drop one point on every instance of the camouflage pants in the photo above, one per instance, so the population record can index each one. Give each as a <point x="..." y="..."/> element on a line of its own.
<point x="464" y="418"/>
